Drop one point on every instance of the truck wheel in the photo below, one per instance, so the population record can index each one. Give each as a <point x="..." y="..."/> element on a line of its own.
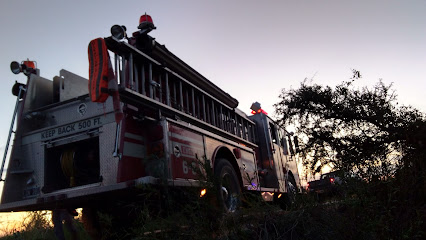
<point x="290" y="196"/>
<point x="228" y="188"/>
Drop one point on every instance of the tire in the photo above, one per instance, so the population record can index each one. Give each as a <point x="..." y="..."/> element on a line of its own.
<point x="229" y="191"/>
<point x="290" y="196"/>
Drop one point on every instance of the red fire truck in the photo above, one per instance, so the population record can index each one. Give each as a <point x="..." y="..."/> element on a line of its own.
<point x="143" y="116"/>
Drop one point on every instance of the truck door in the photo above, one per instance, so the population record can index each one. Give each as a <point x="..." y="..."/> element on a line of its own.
<point x="277" y="155"/>
<point x="186" y="152"/>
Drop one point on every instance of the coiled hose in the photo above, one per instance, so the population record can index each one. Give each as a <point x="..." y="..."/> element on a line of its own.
<point x="67" y="165"/>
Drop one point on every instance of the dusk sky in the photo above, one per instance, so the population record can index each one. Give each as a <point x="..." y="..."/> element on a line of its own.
<point x="250" y="49"/>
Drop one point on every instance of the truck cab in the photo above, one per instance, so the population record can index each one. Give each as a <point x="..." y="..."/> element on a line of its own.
<point x="277" y="154"/>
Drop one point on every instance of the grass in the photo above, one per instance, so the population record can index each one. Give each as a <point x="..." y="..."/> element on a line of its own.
<point x="37" y="226"/>
<point x="353" y="217"/>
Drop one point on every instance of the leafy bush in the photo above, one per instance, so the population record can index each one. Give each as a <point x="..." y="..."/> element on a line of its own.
<point x="365" y="133"/>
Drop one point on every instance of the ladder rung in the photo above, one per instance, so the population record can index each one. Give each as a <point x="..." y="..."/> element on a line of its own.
<point x="23" y="171"/>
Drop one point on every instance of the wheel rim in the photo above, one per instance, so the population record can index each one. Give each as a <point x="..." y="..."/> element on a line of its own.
<point x="225" y="193"/>
<point x="291" y="191"/>
<point x="229" y="193"/>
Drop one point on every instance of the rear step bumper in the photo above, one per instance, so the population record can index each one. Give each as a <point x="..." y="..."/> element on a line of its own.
<point x="77" y="196"/>
<point x="90" y="194"/>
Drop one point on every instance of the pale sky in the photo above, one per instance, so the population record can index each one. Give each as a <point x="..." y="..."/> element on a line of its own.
<point x="251" y="49"/>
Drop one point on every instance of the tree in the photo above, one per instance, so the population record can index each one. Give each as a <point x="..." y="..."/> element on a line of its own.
<point x="355" y="129"/>
<point x="363" y="130"/>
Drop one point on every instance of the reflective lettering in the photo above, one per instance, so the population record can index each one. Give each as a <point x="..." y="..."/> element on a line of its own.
<point x="48" y="133"/>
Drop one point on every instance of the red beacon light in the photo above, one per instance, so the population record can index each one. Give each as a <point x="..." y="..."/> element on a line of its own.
<point x="30" y="64"/>
<point x="259" y="111"/>
<point x="145" y="20"/>
<point x="256" y="109"/>
<point x="146" y="24"/>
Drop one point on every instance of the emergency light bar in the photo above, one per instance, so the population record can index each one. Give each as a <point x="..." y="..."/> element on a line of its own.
<point x="259" y="111"/>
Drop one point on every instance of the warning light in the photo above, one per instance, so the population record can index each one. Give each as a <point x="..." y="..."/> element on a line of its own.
<point x="256" y="109"/>
<point x="30" y="64"/>
<point x="145" y="20"/>
<point x="259" y="111"/>
<point x="332" y="180"/>
<point x="146" y="24"/>
<point x="26" y="67"/>
<point x="203" y="192"/>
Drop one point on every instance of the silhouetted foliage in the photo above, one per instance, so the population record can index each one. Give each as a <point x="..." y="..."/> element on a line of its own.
<point x="361" y="130"/>
<point x="365" y="132"/>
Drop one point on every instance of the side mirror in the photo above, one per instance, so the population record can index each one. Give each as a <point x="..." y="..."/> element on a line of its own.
<point x="285" y="146"/>
<point x="296" y="144"/>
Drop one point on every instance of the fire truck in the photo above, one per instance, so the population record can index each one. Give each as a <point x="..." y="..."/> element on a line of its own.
<point x="144" y="117"/>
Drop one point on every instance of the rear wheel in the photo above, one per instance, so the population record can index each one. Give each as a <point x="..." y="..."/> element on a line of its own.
<point x="229" y="191"/>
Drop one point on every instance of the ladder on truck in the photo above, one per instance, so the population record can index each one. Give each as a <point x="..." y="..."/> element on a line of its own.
<point x="142" y="79"/>
<point x="15" y="112"/>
